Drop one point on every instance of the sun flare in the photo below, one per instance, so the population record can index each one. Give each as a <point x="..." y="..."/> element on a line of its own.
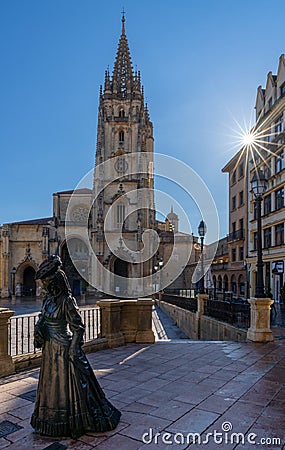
<point x="248" y="139"/>
<point x="255" y="142"/>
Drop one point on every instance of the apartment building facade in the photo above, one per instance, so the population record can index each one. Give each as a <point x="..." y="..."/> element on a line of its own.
<point x="269" y="157"/>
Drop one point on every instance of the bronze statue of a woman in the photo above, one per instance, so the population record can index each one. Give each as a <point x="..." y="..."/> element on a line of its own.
<point x="69" y="399"/>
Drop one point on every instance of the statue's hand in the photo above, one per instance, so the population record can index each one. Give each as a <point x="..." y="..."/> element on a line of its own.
<point x="74" y="351"/>
<point x="38" y="335"/>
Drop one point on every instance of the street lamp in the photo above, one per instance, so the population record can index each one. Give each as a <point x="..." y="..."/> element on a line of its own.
<point x="160" y="263"/>
<point x="13" y="273"/>
<point x="157" y="267"/>
<point x="202" y="230"/>
<point x="258" y="186"/>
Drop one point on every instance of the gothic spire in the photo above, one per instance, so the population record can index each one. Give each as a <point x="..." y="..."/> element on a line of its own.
<point x="122" y="79"/>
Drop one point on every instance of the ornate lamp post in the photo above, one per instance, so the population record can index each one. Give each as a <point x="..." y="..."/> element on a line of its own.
<point x="13" y="274"/>
<point x="160" y="263"/>
<point x="258" y="186"/>
<point x="202" y="230"/>
<point x="259" y="330"/>
<point x="156" y="269"/>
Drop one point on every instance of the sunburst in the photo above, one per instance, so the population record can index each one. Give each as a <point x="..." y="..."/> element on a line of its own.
<point x="255" y="142"/>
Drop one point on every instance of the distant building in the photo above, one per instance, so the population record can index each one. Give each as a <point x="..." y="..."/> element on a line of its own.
<point x="219" y="268"/>
<point x="268" y="155"/>
<point x="238" y="216"/>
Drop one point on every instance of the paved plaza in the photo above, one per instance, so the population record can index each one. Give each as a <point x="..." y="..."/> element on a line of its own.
<point x="166" y="391"/>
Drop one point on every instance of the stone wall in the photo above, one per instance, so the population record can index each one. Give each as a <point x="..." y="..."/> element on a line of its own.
<point x="202" y="327"/>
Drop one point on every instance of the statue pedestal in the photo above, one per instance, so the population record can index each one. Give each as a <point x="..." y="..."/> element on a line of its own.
<point x="259" y="330"/>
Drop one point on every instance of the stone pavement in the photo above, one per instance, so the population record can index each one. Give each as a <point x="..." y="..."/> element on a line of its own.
<point x="173" y="387"/>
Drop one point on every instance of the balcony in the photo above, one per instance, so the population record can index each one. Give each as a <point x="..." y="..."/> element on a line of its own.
<point x="236" y="235"/>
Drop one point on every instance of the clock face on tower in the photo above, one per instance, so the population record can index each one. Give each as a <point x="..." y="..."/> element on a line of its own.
<point x="121" y="164"/>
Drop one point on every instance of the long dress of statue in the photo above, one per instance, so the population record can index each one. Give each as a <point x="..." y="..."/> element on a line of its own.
<point x="69" y="399"/>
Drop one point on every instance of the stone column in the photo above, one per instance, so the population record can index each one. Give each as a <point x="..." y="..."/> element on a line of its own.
<point x="5" y="261"/>
<point x="111" y="322"/>
<point x="129" y="319"/>
<point x="259" y="330"/>
<point x="6" y="362"/>
<point x="201" y="306"/>
<point x="201" y="303"/>
<point x="144" y="335"/>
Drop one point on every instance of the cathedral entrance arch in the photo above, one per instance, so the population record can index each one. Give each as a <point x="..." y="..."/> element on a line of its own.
<point x="121" y="268"/>
<point x="29" y="282"/>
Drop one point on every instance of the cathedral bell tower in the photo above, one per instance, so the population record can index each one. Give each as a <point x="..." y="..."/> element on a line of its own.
<point x="123" y="178"/>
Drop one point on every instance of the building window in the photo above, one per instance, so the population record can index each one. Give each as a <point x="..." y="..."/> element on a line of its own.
<point x="279" y="198"/>
<point x="234" y="254"/>
<point x="254" y="210"/>
<point x="279" y="161"/>
<point x="122" y="113"/>
<point x="234" y="202"/>
<point x="267" y="204"/>
<point x="241" y="170"/>
<point x="241" y="254"/>
<point x="241" y="198"/>
<point x="234" y="177"/>
<point x="270" y="103"/>
<point x="121" y="136"/>
<point x="234" y="227"/>
<point x="282" y="90"/>
<point x="267" y="170"/>
<point x="267" y="237"/>
<point x="120" y="214"/>
<point x="234" y="287"/>
<point x="241" y="224"/>
<point x="255" y="240"/>
<point x="279" y="234"/>
<point x="279" y="125"/>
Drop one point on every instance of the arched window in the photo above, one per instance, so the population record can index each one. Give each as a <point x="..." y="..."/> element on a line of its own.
<point x="233" y="284"/>
<point x="121" y="136"/>
<point x="122" y="113"/>
<point x="121" y="211"/>
<point x="220" y="284"/>
<point x="226" y="283"/>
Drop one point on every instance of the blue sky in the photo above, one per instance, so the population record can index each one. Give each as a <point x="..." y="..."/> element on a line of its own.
<point x="201" y="63"/>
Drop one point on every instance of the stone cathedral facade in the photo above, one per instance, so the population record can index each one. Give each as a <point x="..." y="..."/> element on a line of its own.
<point x="124" y="197"/>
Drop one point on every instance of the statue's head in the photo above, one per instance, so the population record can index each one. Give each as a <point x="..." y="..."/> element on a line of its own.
<point x="48" y="267"/>
<point x="53" y="278"/>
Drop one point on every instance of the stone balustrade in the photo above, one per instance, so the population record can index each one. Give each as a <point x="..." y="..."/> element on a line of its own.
<point x="259" y="330"/>
<point x="125" y="321"/>
<point x="6" y="362"/>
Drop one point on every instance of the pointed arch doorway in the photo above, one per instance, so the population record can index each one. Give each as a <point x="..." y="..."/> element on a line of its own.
<point x="29" y="281"/>
<point x="121" y="268"/>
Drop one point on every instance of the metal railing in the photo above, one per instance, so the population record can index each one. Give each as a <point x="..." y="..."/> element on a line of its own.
<point x="235" y="313"/>
<point x="91" y="318"/>
<point x="236" y="235"/>
<point x="21" y="330"/>
<point x="22" y="334"/>
<point x="182" y="302"/>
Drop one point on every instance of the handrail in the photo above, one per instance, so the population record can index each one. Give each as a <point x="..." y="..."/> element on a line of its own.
<point x="21" y="330"/>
